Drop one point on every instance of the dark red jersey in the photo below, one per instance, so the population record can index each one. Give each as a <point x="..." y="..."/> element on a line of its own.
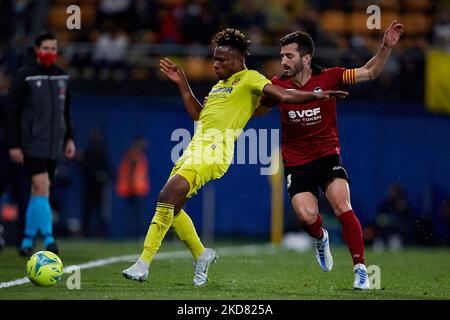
<point x="309" y="130"/>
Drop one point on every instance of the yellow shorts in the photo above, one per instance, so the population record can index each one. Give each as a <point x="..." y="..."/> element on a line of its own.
<point x="200" y="164"/>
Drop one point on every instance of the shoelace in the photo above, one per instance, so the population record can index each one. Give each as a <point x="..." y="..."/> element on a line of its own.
<point x="362" y="276"/>
<point x="200" y="267"/>
<point x="321" y="247"/>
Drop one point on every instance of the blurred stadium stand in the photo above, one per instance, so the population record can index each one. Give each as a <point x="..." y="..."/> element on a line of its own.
<point x="387" y="135"/>
<point x="146" y="29"/>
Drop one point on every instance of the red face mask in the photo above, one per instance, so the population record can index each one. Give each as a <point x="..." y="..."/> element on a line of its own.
<point x="47" y="58"/>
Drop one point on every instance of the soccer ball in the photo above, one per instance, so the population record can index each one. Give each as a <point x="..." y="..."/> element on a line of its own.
<point x="44" y="269"/>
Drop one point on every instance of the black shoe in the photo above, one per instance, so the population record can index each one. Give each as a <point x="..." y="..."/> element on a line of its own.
<point x="53" y="247"/>
<point x="26" y="252"/>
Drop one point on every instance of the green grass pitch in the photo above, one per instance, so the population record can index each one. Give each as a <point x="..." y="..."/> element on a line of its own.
<point x="265" y="273"/>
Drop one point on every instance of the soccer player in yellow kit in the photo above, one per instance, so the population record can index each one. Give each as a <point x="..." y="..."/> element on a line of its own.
<point x="230" y="105"/>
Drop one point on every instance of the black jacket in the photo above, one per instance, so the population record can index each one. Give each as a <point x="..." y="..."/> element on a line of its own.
<point x="37" y="111"/>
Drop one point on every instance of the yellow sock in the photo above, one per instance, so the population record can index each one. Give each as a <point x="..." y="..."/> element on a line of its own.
<point x="184" y="229"/>
<point x="157" y="230"/>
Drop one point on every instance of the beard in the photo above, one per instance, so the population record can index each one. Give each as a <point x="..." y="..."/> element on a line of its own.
<point x="293" y="71"/>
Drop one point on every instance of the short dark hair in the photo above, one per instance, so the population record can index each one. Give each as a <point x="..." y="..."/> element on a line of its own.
<point x="302" y="39"/>
<point x="233" y="38"/>
<point x="45" y="35"/>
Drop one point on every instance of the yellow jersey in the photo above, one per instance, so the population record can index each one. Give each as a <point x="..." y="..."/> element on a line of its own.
<point x="230" y="105"/>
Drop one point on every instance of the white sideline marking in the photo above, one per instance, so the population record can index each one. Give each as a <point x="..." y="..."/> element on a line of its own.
<point x="253" y="249"/>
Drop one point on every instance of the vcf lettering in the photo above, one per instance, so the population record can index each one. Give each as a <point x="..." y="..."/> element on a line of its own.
<point x="304" y="113"/>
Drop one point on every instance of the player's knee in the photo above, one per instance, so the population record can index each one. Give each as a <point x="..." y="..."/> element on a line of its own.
<point x="307" y="214"/>
<point x="170" y="194"/>
<point x="341" y="206"/>
<point x="174" y="191"/>
<point x="166" y="196"/>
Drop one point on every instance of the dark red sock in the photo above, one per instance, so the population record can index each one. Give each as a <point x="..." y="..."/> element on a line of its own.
<point x="352" y="235"/>
<point x="314" y="230"/>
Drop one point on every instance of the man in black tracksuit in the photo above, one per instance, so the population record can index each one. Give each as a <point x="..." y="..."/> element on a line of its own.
<point x="38" y="129"/>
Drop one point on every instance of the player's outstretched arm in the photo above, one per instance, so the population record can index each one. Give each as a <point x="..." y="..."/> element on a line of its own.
<point x="176" y="74"/>
<point x="295" y="96"/>
<point x="372" y="69"/>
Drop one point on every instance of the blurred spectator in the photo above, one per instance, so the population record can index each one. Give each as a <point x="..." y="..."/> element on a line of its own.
<point x="133" y="183"/>
<point x="7" y="22"/>
<point x="170" y="17"/>
<point x="58" y="197"/>
<point x="23" y="17"/>
<point x="276" y="20"/>
<point x="307" y="21"/>
<point x="8" y="54"/>
<point x="118" y="11"/>
<point x="146" y="15"/>
<point x="441" y="30"/>
<point x="13" y="179"/>
<point x="248" y="14"/>
<point x="110" y="52"/>
<point x="97" y="175"/>
<point x="393" y="220"/>
<point x="199" y="22"/>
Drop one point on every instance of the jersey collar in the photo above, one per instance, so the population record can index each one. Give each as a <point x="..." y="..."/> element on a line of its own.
<point x="234" y="76"/>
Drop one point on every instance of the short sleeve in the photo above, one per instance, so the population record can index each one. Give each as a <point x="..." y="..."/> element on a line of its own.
<point x="341" y="76"/>
<point x="256" y="81"/>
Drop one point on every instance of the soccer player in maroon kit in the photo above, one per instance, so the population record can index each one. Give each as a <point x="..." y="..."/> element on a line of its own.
<point x="310" y="145"/>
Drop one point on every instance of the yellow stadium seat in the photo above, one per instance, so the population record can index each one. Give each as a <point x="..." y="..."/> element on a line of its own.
<point x="388" y="17"/>
<point x="65" y="36"/>
<point x="194" y="67"/>
<point x="388" y="4"/>
<point x="88" y="12"/>
<point x="416" y="23"/>
<point x="57" y="17"/>
<point x="358" y="22"/>
<point x="334" y="21"/>
<point x="140" y="73"/>
<point x="272" y="67"/>
<point x="417" y="4"/>
<point x="359" y="5"/>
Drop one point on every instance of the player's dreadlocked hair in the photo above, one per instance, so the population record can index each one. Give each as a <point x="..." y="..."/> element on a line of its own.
<point x="233" y="38"/>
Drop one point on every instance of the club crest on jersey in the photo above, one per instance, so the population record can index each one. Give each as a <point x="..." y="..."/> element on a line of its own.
<point x="317" y="89"/>
<point x="236" y="81"/>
